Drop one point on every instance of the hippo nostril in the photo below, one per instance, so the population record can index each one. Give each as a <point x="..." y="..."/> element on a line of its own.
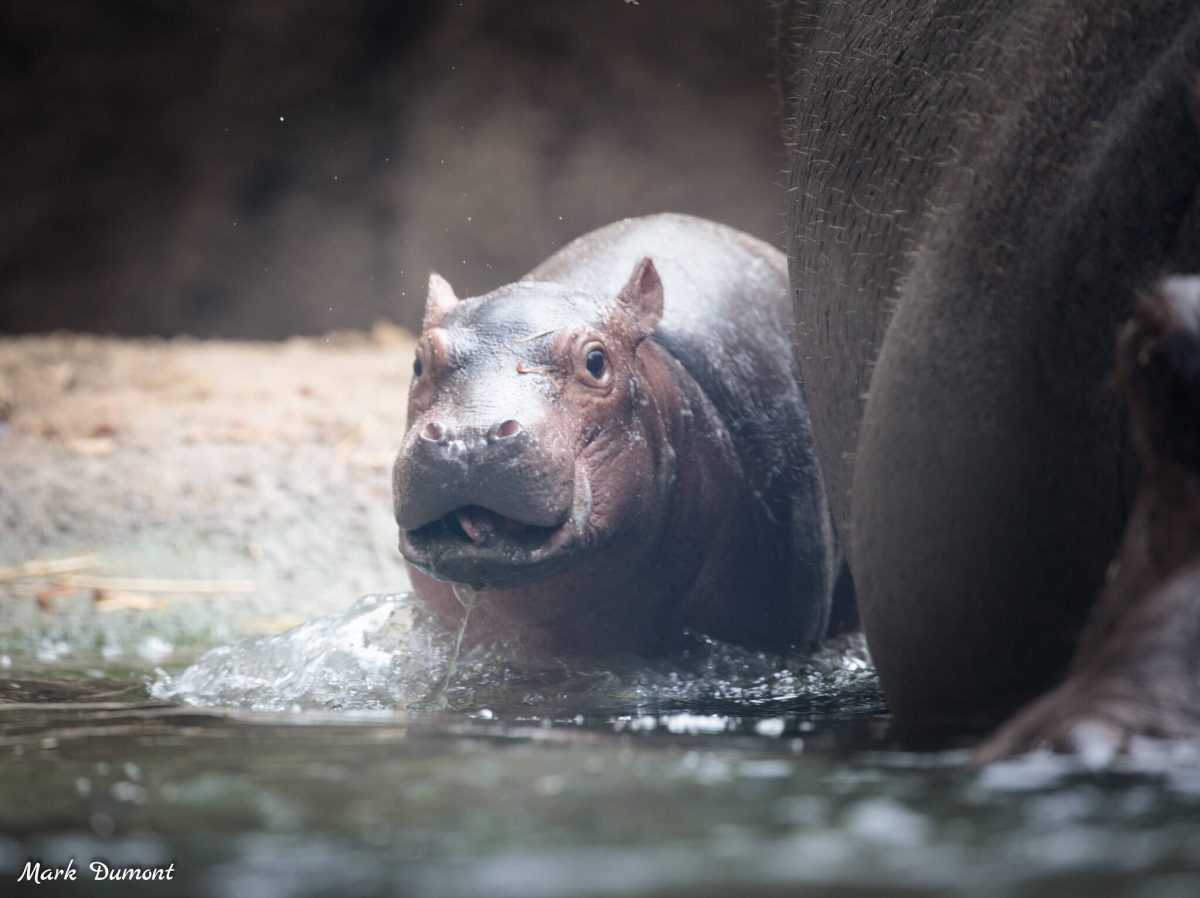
<point x="504" y="430"/>
<point x="434" y="432"/>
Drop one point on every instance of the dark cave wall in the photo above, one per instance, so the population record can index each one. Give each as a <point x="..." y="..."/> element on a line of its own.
<point x="257" y="169"/>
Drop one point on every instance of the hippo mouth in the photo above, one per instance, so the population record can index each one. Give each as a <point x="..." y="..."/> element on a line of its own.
<point x="488" y="550"/>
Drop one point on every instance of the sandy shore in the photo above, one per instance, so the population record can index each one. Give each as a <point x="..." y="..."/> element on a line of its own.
<point x="160" y="495"/>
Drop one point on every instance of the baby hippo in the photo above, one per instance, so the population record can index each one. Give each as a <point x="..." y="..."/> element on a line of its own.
<point x="616" y="449"/>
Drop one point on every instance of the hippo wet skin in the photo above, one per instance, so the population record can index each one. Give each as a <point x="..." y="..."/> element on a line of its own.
<point x="616" y="448"/>
<point x="979" y="192"/>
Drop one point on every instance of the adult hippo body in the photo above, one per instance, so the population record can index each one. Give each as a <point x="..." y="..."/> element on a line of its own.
<point x="616" y="448"/>
<point x="980" y="191"/>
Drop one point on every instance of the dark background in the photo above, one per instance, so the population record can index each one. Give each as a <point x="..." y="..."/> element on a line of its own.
<point x="264" y="168"/>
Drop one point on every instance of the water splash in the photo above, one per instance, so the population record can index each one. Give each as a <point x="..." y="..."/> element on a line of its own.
<point x="381" y="654"/>
<point x="364" y="658"/>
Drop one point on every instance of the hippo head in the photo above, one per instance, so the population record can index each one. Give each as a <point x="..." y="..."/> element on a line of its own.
<point x="524" y="452"/>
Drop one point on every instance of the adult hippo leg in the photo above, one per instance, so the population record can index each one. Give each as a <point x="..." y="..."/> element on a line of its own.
<point x="1137" y="671"/>
<point x="1055" y="167"/>
<point x="987" y="497"/>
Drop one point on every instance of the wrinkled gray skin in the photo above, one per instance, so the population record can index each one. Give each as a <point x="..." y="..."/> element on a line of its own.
<point x="677" y="489"/>
<point x="979" y="193"/>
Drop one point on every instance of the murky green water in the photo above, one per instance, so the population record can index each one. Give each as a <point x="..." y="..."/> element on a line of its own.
<point x="718" y="774"/>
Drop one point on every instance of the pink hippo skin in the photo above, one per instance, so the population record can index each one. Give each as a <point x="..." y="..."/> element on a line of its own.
<point x="616" y="448"/>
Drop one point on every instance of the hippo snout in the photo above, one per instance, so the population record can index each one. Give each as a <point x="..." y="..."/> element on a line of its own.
<point x="436" y="432"/>
<point x="505" y="468"/>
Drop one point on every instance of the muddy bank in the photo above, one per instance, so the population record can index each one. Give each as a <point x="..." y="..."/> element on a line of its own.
<point x="159" y="495"/>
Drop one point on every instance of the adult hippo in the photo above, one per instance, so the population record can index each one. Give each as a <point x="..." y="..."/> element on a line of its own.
<point x="979" y="192"/>
<point x="616" y="448"/>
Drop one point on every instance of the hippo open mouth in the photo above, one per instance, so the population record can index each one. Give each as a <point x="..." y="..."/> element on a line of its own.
<point x="488" y="550"/>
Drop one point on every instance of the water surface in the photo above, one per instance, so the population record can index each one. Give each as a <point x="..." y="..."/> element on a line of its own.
<point x="317" y="763"/>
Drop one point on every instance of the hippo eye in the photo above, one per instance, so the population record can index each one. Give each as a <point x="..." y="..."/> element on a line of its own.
<point x="595" y="363"/>
<point x="417" y="367"/>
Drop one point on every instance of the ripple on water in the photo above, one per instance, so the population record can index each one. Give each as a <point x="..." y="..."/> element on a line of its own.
<point x="379" y="655"/>
<point x="712" y="773"/>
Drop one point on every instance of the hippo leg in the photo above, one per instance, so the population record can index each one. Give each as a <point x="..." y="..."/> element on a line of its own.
<point x="989" y="479"/>
<point x="1137" y="669"/>
<point x="1140" y="679"/>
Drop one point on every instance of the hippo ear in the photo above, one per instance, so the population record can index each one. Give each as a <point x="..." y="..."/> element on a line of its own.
<point x="641" y="299"/>
<point x="438" y="301"/>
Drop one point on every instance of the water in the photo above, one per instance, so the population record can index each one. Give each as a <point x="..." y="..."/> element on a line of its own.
<point x="377" y="656"/>
<point x="310" y="764"/>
